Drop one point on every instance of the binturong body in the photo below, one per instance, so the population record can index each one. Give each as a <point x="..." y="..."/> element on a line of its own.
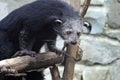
<point x="28" y="28"/>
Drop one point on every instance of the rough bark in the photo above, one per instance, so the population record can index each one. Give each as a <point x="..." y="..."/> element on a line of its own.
<point x="27" y="63"/>
<point x="70" y="62"/>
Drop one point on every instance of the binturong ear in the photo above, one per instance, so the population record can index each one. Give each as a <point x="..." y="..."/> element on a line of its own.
<point x="58" y="21"/>
<point x="55" y="20"/>
<point x="88" y="26"/>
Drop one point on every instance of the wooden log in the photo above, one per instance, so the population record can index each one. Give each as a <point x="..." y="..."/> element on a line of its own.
<point x="70" y="62"/>
<point x="55" y="73"/>
<point x="27" y="63"/>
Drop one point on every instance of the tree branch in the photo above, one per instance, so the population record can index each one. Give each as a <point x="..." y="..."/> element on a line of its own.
<point x="70" y="62"/>
<point x="27" y="63"/>
<point x="76" y="4"/>
<point x="85" y="7"/>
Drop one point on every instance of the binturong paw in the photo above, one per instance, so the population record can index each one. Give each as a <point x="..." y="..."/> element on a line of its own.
<point x="24" y="52"/>
<point x="60" y="52"/>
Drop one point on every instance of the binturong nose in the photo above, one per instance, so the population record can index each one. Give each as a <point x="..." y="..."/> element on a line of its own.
<point x="73" y="42"/>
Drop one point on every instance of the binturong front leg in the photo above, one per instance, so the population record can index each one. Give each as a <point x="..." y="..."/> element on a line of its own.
<point x="25" y="44"/>
<point x="52" y="47"/>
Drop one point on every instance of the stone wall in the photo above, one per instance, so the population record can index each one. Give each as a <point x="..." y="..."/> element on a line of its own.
<point x="101" y="57"/>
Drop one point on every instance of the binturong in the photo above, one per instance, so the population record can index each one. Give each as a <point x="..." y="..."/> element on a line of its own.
<point x="71" y="28"/>
<point x="25" y="30"/>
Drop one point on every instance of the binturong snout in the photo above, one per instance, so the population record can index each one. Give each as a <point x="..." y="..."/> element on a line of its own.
<point x="73" y="42"/>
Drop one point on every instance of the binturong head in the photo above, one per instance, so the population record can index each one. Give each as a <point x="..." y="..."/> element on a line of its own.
<point x="71" y="29"/>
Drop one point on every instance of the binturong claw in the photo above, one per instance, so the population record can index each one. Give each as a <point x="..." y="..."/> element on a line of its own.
<point x="24" y="52"/>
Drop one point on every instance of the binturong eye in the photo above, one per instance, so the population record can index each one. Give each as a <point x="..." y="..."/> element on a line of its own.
<point x="69" y="32"/>
<point x="58" y="21"/>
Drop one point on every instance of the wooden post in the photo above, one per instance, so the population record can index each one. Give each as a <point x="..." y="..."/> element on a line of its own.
<point x="55" y="73"/>
<point x="76" y="4"/>
<point x="70" y="62"/>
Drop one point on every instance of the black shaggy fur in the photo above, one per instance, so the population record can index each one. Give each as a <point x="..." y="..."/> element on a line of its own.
<point x="29" y="27"/>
